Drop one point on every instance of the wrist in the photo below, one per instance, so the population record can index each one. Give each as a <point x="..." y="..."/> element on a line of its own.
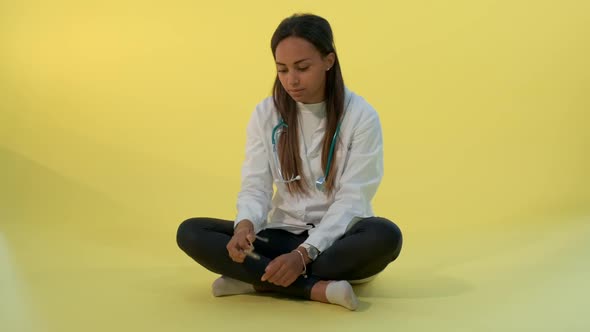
<point x="311" y="251"/>
<point x="244" y="225"/>
<point x="304" y="254"/>
<point x="301" y="259"/>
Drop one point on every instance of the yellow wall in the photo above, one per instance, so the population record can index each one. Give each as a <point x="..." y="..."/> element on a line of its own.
<point x="484" y="105"/>
<point x="119" y="119"/>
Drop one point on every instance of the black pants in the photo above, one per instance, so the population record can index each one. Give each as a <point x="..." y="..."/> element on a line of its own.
<point x="363" y="251"/>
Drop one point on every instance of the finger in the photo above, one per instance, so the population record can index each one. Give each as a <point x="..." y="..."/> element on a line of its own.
<point x="232" y="255"/>
<point x="244" y="244"/>
<point x="240" y="256"/>
<point x="251" y="237"/>
<point x="235" y="254"/>
<point x="278" y="275"/>
<point x="270" y="270"/>
<point x="267" y="274"/>
<point x="233" y="251"/>
<point x="288" y="279"/>
<point x="230" y="246"/>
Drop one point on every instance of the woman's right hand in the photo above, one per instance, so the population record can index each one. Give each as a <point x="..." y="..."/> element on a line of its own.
<point x="242" y="241"/>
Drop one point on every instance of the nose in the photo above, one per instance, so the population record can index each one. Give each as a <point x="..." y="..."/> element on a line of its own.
<point x="293" y="79"/>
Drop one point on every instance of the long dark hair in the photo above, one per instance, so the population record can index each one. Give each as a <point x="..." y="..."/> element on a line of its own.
<point x="318" y="32"/>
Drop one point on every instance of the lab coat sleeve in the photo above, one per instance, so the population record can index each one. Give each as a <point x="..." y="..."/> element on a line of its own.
<point x="254" y="198"/>
<point x="358" y="183"/>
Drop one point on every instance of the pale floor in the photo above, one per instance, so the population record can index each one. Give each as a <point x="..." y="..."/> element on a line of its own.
<point x="71" y="260"/>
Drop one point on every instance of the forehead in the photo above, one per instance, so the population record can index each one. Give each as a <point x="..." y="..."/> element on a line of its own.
<point x="293" y="49"/>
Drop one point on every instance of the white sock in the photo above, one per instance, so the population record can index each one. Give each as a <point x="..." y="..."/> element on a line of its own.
<point x="223" y="286"/>
<point x="341" y="293"/>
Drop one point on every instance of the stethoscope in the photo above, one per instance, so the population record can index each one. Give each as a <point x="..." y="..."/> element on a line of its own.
<point x="320" y="183"/>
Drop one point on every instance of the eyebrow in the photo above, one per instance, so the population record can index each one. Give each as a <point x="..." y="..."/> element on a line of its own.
<point x="296" y="62"/>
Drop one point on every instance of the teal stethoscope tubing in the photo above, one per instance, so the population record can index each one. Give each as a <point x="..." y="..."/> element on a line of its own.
<point x="321" y="181"/>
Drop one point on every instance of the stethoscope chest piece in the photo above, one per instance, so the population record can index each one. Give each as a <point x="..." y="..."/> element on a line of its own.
<point x="320" y="183"/>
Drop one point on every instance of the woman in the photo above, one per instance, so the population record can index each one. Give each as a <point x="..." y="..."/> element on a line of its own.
<point x="321" y="146"/>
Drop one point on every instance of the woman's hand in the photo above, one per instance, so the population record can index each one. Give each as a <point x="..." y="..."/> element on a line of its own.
<point x="241" y="241"/>
<point x="284" y="270"/>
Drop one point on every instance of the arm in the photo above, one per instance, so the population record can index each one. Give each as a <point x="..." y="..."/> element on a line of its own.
<point x="358" y="184"/>
<point x="256" y="190"/>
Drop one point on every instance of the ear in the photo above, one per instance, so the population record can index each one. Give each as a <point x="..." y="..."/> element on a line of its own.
<point x="329" y="60"/>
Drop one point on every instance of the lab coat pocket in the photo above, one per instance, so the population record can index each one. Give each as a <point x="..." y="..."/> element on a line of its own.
<point x="343" y="157"/>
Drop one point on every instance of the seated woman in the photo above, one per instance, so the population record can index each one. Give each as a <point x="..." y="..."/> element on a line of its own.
<point x="321" y="145"/>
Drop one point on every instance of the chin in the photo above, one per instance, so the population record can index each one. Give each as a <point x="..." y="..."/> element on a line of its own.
<point x="300" y="99"/>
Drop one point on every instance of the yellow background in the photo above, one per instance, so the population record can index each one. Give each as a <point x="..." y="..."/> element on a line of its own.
<point x="120" y="119"/>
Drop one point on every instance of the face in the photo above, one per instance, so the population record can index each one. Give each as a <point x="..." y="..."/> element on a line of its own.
<point x="301" y="68"/>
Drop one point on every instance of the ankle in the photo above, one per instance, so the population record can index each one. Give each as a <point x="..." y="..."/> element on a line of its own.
<point x="335" y="292"/>
<point x="262" y="289"/>
<point x="318" y="291"/>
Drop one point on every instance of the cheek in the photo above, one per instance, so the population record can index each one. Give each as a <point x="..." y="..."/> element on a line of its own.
<point x="282" y="79"/>
<point x="316" y="79"/>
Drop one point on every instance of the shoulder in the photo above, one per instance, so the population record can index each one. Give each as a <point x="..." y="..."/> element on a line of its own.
<point x="265" y="107"/>
<point x="358" y="110"/>
<point x="264" y="112"/>
<point x="263" y="117"/>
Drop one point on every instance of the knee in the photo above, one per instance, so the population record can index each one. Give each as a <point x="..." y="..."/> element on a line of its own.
<point x="188" y="233"/>
<point x="388" y="237"/>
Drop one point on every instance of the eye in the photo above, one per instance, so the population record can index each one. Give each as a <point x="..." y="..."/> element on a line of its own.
<point x="303" y="68"/>
<point x="281" y="70"/>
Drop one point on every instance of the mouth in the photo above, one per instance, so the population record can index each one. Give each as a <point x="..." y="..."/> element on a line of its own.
<point x="297" y="91"/>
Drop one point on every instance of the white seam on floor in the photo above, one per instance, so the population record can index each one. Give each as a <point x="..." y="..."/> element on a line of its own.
<point x="15" y="313"/>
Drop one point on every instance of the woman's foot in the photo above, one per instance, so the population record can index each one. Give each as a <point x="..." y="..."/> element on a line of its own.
<point x="335" y="292"/>
<point x="224" y="286"/>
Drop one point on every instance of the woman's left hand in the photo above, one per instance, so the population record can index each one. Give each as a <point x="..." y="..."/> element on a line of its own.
<point x="284" y="270"/>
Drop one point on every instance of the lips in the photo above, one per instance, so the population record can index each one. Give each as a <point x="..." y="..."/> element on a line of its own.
<point x="296" y="91"/>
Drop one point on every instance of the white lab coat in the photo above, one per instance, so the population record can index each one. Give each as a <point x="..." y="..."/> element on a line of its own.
<point x="359" y="163"/>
